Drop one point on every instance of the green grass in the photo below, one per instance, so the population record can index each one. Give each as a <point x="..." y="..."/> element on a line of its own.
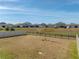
<point x="29" y="54"/>
<point x="6" y="55"/>
<point x="73" y="51"/>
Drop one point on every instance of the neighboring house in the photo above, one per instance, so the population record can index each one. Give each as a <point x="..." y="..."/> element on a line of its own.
<point x="19" y="26"/>
<point x="36" y="26"/>
<point x="67" y="26"/>
<point x="23" y="26"/>
<point x="72" y="26"/>
<point x="51" y="26"/>
<point x="59" y="26"/>
<point x="4" y="25"/>
<point x="44" y="26"/>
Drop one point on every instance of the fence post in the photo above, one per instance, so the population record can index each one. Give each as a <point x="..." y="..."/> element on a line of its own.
<point x="77" y="41"/>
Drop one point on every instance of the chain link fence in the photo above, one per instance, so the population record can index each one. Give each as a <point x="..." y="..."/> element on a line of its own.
<point x="11" y="33"/>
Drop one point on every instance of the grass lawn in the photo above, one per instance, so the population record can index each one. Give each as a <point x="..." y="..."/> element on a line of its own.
<point x="74" y="52"/>
<point x="6" y="55"/>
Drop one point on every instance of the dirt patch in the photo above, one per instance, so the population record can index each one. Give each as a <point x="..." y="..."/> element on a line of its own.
<point x="36" y="47"/>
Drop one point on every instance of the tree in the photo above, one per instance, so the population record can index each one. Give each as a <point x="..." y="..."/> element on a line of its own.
<point x="43" y="25"/>
<point x="73" y="24"/>
<point x="12" y="29"/>
<point x="50" y="25"/>
<point x="7" y="29"/>
<point x="60" y="24"/>
<point x="27" y="23"/>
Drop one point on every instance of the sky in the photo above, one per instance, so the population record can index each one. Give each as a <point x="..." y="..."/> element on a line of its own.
<point x="39" y="11"/>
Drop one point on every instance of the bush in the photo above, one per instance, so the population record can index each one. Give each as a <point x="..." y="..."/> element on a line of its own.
<point x="12" y="29"/>
<point x="7" y="29"/>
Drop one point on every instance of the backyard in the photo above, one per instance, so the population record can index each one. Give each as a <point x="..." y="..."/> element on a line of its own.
<point x="40" y="43"/>
<point x="37" y="47"/>
<point x="39" y="29"/>
<point x="52" y="32"/>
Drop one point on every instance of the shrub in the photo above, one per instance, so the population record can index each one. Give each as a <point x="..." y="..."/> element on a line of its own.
<point x="7" y="29"/>
<point x="12" y="29"/>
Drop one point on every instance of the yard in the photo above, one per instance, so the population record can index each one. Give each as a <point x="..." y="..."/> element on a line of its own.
<point x="53" y="32"/>
<point x="37" y="47"/>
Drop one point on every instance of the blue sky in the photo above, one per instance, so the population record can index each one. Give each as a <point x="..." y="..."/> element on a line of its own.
<point x="39" y="11"/>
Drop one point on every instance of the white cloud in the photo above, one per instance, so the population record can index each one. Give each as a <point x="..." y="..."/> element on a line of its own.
<point x="10" y="8"/>
<point x="2" y="7"/>
<point x="37" y="12"/>
<point x="19" y="9"/>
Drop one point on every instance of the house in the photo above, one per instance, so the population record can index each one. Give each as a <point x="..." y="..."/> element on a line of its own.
<point x="59" y="26"/>
<point x="43" y="25"/>
<point x="4" y="25"/>
<point x="36" y="26"/>
<point x="23" y="26"/>
<point x="72" y="26"/>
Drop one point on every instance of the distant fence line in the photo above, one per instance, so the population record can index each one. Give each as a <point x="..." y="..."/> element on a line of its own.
<point x="17" y="33"/>
<point x="11" y="33"/>
<point x="50" y="34"/>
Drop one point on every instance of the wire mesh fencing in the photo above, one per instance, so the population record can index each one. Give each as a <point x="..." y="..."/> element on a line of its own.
<point x="11" y="33"/>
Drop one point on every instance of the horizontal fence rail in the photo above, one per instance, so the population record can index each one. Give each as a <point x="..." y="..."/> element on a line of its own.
<point x="11" y="33"/>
